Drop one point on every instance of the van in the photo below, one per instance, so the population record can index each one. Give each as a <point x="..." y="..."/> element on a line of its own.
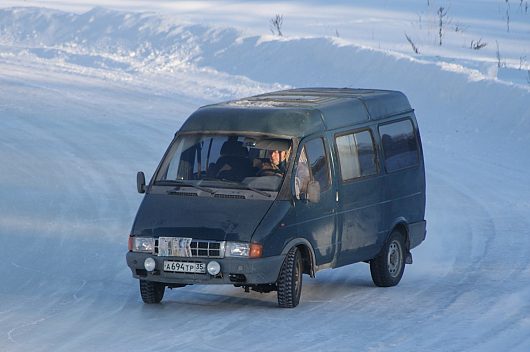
<point x="259" y="191"/>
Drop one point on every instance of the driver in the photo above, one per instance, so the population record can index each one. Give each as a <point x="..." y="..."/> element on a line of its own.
<point x="278" y="159"/>
<point x="276" y="166"/>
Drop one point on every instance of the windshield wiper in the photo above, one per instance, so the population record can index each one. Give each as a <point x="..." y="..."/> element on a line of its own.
<point x="185" y="184"/>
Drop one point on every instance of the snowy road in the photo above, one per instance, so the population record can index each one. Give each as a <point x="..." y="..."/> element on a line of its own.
<point x="74" y="135"/>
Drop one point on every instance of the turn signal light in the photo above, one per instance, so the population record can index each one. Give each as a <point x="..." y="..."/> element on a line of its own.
<point x="131" y="240"/>
<point x="256" y="250"/>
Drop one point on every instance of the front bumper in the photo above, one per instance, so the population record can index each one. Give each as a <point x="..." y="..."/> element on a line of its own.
<point x="254" y="271"/>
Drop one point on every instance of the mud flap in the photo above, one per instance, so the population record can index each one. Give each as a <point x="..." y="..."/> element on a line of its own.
<point x="408" y="258"/>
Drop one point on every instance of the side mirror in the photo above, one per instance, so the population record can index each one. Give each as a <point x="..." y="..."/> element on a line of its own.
<point x="140" y="182"/>
<point x="313" y="192"/>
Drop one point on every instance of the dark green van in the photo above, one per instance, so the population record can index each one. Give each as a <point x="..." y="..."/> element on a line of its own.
<point x="258" y="191"/>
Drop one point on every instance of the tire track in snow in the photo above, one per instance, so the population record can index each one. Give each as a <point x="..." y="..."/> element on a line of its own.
<point x="479" y="267"/>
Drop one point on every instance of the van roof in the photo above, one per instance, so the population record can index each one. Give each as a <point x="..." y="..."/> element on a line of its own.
<point x="298" y="112"/>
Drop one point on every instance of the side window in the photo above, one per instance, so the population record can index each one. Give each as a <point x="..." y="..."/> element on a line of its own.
<point x="312" y="166"/>
<point x="302" y="176"/>
<point x="318" y="161"/>
<point x="400" y="146"/>
<point x="357" y="155"/>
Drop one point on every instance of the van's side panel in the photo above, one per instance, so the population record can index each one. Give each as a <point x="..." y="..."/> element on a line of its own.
<point x="360" y="210"/>
<point x="405" y="190"/>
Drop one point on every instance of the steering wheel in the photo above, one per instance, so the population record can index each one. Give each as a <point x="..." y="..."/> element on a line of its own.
<point x="269" y="172"/>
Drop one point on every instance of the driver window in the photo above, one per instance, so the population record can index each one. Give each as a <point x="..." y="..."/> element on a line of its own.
<point x="312" y="166"/>
<point x="302" y="177"/>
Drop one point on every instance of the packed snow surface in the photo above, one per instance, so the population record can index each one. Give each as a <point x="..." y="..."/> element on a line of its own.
<point x="90" y="95"/>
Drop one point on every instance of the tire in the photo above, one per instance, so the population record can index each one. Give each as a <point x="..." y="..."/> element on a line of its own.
<point x="290" y="279"/>
<point x="152" y="292"/>
<point x="388" y="267"/>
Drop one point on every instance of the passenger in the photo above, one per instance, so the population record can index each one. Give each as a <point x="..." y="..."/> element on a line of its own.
<point x="233" y="163"/>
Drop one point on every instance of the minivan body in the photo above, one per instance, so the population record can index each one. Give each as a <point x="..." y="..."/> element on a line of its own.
<point x="258" y="191"/>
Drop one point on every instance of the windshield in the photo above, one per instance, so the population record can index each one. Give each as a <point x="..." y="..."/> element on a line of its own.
<point x="235" y="161"/>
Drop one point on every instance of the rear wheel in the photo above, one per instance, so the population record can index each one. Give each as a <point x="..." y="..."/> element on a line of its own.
<point x="290" y="279"/>
<point x="152" y="292"/>
<point x="387" y="268"/>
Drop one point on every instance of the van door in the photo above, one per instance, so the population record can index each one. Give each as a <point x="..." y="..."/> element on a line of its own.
<point x="316" y="220"/>
<point x="361" y="192"/>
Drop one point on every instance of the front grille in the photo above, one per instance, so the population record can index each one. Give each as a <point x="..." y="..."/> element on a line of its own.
<point x="208" y="249"/>
<point x="196" y="249"/>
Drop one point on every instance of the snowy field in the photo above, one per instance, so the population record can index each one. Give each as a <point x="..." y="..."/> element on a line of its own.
<point x="93" y="91"/>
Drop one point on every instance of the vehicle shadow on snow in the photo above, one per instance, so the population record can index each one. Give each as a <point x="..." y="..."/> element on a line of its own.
<point x="328" y="286"/>
<point x="217" y="297"/>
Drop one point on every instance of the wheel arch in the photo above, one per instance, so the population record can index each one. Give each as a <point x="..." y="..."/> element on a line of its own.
<point x="402" y="226"/>
<point x="308" y="254"/>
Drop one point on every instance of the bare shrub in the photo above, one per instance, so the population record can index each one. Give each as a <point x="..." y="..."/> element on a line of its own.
<point x="507" y="15"/>
<point x="522" y="62"/>
<point x="414" y="47"/>
<point x="478" y="44"/>
<point x="442" y="20"/>
<point x="498" y="53"/>
<point x="459" y="27"/>
<point x="276" y="24"/>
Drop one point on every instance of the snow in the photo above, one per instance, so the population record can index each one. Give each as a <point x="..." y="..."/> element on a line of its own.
<point x="91" y="92"/>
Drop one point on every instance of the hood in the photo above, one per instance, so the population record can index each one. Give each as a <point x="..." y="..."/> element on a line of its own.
<point x="205" y="218"/>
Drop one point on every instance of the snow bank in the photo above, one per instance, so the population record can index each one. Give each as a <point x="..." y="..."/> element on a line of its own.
<point x="149" y="43"/>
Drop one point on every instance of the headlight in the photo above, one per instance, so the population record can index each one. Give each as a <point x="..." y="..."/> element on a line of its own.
<point x="237" y="249"/>
<point x="143" y="244"/>
<point x="240" y="249"/>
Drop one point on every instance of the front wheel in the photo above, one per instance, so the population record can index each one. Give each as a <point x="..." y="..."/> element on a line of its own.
<point x="290" y="279"/>
<point x="387" y="268"/>
<point x="152" y="292"/>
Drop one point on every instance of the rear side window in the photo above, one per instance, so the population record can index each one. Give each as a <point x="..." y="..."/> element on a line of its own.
<point x="357" y="155"/>
<point x="400" y="146"/>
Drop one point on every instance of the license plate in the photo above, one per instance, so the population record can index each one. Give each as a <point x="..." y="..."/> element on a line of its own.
<point x="183" y="267"/>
